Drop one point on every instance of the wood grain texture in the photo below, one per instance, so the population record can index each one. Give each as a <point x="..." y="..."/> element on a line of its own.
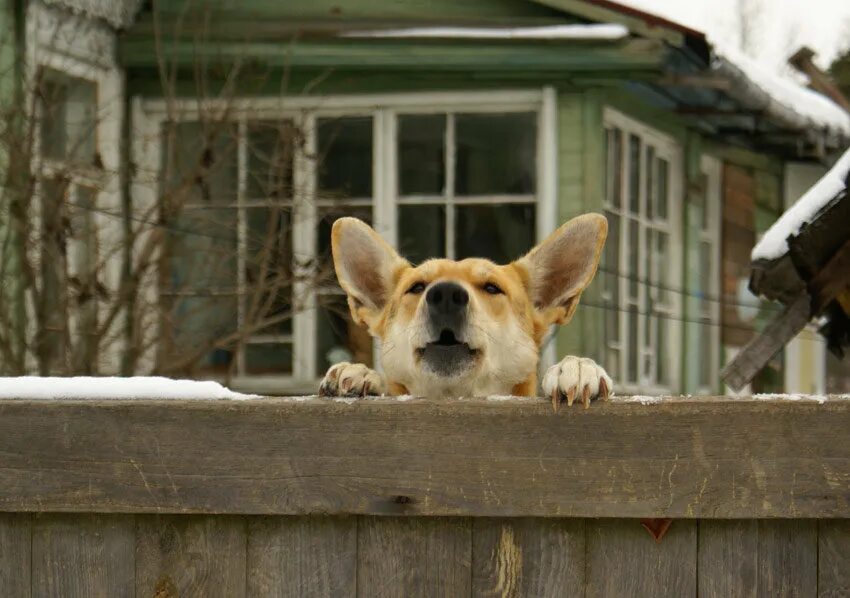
<point x="834" y="558"/>
<point x="624" y="560"/>
<point x="727" y="558"/>
<point x="302" y="557"/>
<point x="15" y="553"/>
<point x="414" y="557"/>
<point x="528" y="557"/>
<point x="86" y="556"/>
<point x="702" y="457"/>
<point x="788" y="558"/>
<point x="191" y="556"/>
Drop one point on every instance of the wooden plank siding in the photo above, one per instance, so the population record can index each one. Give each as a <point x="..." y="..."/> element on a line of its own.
<point x="678" y="457"/>
<point x="233" y="557"/>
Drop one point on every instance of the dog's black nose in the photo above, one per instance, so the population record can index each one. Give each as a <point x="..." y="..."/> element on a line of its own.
<point x="446" y="298"/>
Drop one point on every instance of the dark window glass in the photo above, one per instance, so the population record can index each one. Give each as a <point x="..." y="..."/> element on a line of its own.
<point x="270" y="146"/>
<point x="268" y="358"/>
<point x="634" y="174"/>
<point x="500" y="233"/>
<point x="421" y="232"/>
<point x="421" y="154"/>
<point x="495" y="153"/>
<point x="202" y="247"/>
<point x="268" y="269"/>
<point x="199" y="164"/>
<point x="197" y="322"/>
<point x="68" y="117"/>
<point x="345" y="157"/>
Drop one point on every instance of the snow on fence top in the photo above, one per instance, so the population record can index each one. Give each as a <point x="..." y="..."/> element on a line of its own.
<point x="774" y="243"/>
<point x="84" y="387"/>
<point x="601" y="31"/>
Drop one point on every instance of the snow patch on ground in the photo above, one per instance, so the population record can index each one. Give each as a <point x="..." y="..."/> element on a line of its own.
<point x="789" y="397"/>
<point x="140" y="387"/>
<point x="774" y="243"/>
<point x="642" y="399"/>
<point x="551" y="32"/>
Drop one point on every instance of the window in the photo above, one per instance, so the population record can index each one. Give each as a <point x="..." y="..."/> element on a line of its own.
<point x="707" y="290"/>
<point x="249" y="236"/>
<point x="471" y="178"/>
<point x="639" y="265"/>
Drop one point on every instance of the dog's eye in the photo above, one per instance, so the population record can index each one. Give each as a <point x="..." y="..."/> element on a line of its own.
<point x="493" y="289"/>
<point x="416" y="288"/>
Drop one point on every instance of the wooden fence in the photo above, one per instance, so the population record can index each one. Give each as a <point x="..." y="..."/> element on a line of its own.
<point x="385" y="497"/>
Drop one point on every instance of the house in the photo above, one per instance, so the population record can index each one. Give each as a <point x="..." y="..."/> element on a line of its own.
<point x="225" y="137"/>
<point x="803" y="262"/>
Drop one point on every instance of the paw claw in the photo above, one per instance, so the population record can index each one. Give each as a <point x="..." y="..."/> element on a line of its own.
<point x="603" y="389"/>
<point x="571" y="396"/>
<point x="350" y="380"/>
<point x="556" y="400"/>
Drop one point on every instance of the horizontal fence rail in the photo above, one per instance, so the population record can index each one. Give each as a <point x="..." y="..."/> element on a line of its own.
<point x="498" y="457"/>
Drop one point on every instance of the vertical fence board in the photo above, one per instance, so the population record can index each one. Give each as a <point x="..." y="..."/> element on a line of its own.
<point x="302" y="556"/>
<point x="528" y="557"/>
<point x="788" y="557"/>
<point x="833" y="558"/>
<point x="190" y="556"/>
<point x="409" y="557"/>
<point x="15" y="552"/>
<point x="727" y="558"/>
<point x="89" y="556"/>
<point x="624" y="560"/>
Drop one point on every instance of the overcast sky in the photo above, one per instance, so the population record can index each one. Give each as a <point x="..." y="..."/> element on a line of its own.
<point x="778" y="26"/>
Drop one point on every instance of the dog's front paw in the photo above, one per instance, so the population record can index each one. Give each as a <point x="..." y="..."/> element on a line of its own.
<point x="576" y="376"/>
<point x="351" y="380"/>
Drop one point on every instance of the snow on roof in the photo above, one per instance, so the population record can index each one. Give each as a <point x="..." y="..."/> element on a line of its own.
<point x="547" y="32"/>
<point x="85" y="387"/>
<point x="774" y="243"/>
<point x="815" y="109"/>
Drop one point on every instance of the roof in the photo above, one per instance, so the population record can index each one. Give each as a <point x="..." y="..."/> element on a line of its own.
<point x="774" y="243"/>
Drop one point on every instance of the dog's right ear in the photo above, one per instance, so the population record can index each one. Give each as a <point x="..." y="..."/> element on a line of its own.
<point x="367" y="268"/>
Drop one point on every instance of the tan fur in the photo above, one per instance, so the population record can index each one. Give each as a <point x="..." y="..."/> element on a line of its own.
<point x="540" y="289"/>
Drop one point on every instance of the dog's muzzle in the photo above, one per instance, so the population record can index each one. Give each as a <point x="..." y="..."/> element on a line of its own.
<point x="448" y="354"/>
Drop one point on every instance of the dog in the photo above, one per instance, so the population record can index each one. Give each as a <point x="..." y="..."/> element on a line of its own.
<point x="469" y="327"/>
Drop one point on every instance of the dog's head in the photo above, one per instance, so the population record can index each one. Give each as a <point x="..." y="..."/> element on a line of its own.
<point x="468" y="327"/>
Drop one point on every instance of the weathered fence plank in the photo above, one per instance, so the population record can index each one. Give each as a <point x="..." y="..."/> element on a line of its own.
<point x="624" y="560"/>
<point x="414" y="557"/>
<point x="709" y="458"/>
<point x="191" y="556"/>
<point x="788" y="558"/>
<point x="302" y="557"/>
<point x="834" y="558"/>
<point x="728" y="558"/>
<point x="528" y="557"/>
<point x="15" y="553"/>
<point x="85" y="556"/>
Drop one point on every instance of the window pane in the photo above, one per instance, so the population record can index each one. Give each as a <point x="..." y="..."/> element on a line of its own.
<point x="337" y="337"/>
<point x="199" y="163"/>
<point x="634" y="258"/>
<point x="663" y="271"/>
<point x="634" y="344"/>
<point x="705" y="276"/>
<point x="706" y="358"/>
<point x="634" y="174"/>
<point x="270" y="146"/>
<point x="268" y="358"/>
<point x="69" y="118"/>
<point x="421" y="232"/>
<point x="202" y="247"/>
<point x="614" y="170"/>
<point x="500" y="233"/>
<point x="268" y="269"/>
<point x="345" y="157"/>
<point x="650" y="179"/>
<point x="662" y="189"/>
<point x="421" y="154"/>
<point x="661" y="373"/>
<point x="327" y="217"/>
<point x="197" y="323"/>
<point x="495" y="153"/>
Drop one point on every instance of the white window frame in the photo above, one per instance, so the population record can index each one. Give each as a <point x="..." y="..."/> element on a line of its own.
<point x="712" y="169"/>
<point x="665" y="147"/>
<point x="82" y="48"/>
<point x="149" y="115"/>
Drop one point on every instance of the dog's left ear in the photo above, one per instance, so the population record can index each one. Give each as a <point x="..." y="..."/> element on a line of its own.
<point x="562" y="266"/>
<point x="367" y="268"/>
